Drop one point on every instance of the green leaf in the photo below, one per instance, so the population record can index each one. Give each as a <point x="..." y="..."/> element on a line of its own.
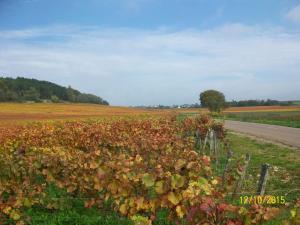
<point x="177" y="181"/>
<point x="148" y="180"/>
<point x="37" y="165"/>
<point x="202" y="181"/>
<point x="140" y="220"/>
<point x="14" y="215"/>
<point x="27" y="203"/>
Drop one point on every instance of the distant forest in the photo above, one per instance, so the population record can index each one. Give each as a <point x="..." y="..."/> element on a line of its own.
<point x="242" y="103"/>
<point x="24" y="90"/>
<point x="268" y="102"/>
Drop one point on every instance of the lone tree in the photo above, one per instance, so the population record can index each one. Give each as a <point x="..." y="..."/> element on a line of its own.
<point x="213" y="100"/>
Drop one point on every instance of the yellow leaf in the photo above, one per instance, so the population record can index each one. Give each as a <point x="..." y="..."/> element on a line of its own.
<point x="123" y="209"/>
<point x="7" y="209"/>
<point x="113" y="187"/>
<point x="179" y="164"/>
<point x="97" y="152"/>
<point x="179" y="211"/>
<point x="191" y="165"/>
<point x="93" y="165"/>
<point x="44" y="171"/>
<point x="138" y="158"/>
<point x="123" y="192"/>
<point x="173" y="198"/>
<point x="70" y="189"/>
<point x="243" y="211"/>
<point x="20" y="223"/>
<point x="98" y="187"/>
<point x="193" y="174"/>
<point x="18" y="203"/>
<point x="140" y="203"/>
<point x="293" y="213"/>
<point x="152" y="204"/>
<point x="107" y="196"/>
<point x="132" y="211"/>
<point x="14" y="215"/>
<point x="214" y="181"/>
<point x="159" y="187"/>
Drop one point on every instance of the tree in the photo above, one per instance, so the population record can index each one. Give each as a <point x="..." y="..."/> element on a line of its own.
<point x="31" y="94"/>
<point x="213" y="100"/>
<point x="54" y="99"/>
<point x="24" y="89"/>
<point x="2" y="95"/>
<point x="71" y="94"/>
<point x="3" y="90"/>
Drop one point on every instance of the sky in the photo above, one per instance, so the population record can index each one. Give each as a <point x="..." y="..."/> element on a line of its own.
<point x="150" y="52"/>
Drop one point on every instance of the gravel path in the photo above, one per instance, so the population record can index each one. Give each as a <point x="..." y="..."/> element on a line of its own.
<point x="285" y="135"/>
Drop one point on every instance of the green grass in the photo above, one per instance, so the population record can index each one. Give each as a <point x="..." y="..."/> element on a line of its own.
<point x="296" y="102"/>
<point x="75" y="215"/>
<point x="285" y="165"/>
<point x="284" y="173"/>
<point x="71" y="211"/>
<point x="287" y="118"/>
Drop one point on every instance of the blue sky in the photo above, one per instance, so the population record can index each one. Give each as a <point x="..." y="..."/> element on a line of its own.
<point x="147" y="52"/>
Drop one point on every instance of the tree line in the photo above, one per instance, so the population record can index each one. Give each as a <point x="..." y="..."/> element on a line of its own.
<point x="23" y="89"/>
<point x="268" y="102"/>
<point x="215" y="101"/>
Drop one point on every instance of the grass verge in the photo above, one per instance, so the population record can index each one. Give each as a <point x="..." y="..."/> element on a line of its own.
<point x="288" y="119"/>
<point x="285" y="165"/>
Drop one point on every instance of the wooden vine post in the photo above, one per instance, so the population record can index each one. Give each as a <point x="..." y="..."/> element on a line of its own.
<point x="216" y="148"/>
<point x="211" y="142"/>
<point x="205" y="141"/>
<point x="226" y="168"/>
<point x="239" y="183"/>
<point x="198" y="140"/>
<point x="263" y="179"/>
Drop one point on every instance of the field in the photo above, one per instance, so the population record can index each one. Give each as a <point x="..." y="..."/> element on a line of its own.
<point x="81" y="165"/>
<point x="16" y="113"/>
<point x="275" y="115"/>
<point x="12" y="113"/>
<point x="283" y="118"/>
<point x="296" y="102"/>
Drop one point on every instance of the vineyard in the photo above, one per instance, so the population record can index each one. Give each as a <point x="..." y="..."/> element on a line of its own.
<point x="138" y="165"/>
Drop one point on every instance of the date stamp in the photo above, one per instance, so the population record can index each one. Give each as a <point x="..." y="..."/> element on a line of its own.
<point x="261" y="200"/>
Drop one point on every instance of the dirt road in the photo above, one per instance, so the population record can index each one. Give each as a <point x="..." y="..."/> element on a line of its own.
<point x="285" y="135"/>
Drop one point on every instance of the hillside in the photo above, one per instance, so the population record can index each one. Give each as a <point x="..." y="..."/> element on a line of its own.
<point x="24" y="90"/>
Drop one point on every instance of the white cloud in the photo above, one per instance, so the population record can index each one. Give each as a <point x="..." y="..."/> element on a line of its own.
<point x="134" y="67"/>
<point x="294" y="14"/>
